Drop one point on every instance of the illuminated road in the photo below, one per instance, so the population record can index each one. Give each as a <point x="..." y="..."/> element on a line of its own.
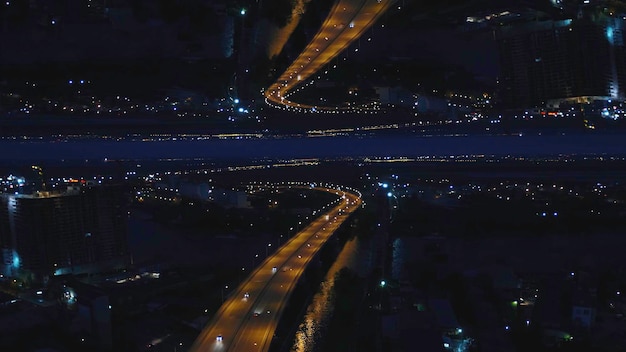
<point x="346" y="22"/>
<point x="248" y="324"/>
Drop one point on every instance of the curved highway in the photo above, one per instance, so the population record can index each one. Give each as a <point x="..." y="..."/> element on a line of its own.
<point x="346" y="22"/>
<point x="248" y="318"/>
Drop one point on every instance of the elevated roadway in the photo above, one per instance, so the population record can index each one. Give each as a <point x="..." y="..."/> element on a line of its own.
<point x="247" y="320"/>
<point x="346" y="22"/>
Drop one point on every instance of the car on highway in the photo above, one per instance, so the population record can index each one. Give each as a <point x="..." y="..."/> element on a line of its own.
<point x="246" y="295"/>
<point x="219" y="338"/>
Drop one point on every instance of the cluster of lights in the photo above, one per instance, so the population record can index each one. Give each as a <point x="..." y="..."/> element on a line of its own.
<point x="613" y="112"/>
<point x="470" y="107"/>
<point x="509" y="191"/>
<point x="465" y="158"/>
<point x="12" y="183"/>
<point x="122" y="105"/>
<point x="469" y="101"/>
<point x="491" y="17"/>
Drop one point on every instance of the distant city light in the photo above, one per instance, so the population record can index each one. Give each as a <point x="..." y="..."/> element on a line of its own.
<point x="16" y="260"/>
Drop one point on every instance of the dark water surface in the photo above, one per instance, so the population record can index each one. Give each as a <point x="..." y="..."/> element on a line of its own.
<point x="301" y="147"/>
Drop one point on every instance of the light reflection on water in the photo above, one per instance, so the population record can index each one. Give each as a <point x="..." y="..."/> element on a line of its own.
<point x="310" y="334"/>
<point x="311" y="330"/>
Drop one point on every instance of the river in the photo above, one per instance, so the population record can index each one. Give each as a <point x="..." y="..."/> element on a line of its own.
<point x="383" y="145"/>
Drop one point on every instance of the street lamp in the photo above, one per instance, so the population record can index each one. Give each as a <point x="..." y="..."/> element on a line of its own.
<point x="267" y="248"/>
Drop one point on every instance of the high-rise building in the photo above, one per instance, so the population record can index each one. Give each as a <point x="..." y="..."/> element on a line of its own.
<point x="547" y="63"/>
<point x="80" y="230"/>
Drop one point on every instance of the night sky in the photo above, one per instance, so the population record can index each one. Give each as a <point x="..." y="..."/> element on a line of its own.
<point x="475" y="52"/>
